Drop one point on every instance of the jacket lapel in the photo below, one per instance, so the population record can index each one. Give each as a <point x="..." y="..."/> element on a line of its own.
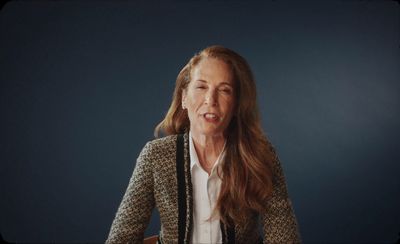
<point x="185" y="202"/>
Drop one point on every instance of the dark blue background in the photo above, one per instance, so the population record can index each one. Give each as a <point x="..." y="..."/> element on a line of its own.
<point x="83" y="85"/>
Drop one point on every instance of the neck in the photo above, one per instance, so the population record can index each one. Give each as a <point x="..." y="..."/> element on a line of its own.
<point x="208" y="148"/>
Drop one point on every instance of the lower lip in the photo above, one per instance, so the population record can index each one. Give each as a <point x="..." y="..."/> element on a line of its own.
<point x="211" y="120"/>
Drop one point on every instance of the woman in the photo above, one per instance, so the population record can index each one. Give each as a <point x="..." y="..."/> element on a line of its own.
<point x="214" y="177"/>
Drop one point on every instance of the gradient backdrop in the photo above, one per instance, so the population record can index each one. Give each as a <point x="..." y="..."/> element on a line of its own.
<point x="84" y="83"/>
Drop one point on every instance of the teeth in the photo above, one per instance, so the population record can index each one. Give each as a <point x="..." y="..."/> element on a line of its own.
<point x="210" y="116"/>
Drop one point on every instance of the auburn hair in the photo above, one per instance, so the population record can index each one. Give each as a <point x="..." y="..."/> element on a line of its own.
<point x="246" y="169"/>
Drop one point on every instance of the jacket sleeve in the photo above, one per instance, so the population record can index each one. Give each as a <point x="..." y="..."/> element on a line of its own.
<point x="279" y="221"/>
<point x="135" y="210"/>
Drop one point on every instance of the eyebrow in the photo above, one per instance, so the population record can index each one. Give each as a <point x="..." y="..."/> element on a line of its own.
<point x="222" y="83"/>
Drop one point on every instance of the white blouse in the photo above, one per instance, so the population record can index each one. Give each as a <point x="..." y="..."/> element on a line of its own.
<point x="205" y="194"/>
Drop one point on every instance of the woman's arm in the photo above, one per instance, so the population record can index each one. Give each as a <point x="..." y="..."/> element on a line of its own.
<point x="135" y="210"/>
<point x="280" y="225"/>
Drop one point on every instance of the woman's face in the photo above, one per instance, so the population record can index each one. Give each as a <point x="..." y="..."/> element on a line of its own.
<point x="209" y="97"/>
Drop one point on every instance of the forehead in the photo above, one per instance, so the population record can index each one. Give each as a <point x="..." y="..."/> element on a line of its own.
<point x="212" y="70"/>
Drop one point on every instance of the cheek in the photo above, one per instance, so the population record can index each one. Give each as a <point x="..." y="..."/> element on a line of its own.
<point x="228" y="104"/>
<point x="194" y="99"/>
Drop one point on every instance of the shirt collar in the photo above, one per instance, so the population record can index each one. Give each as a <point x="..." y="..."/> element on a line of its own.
<point x="194" y="160"/>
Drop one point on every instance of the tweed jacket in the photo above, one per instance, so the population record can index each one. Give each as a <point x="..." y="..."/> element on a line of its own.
<point x="162" y="179"/>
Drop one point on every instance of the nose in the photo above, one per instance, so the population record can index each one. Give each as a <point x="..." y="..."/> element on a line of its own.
<point x="211" y="97"/>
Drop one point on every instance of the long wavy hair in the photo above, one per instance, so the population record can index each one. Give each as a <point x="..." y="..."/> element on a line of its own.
<point x="246" y="170"/>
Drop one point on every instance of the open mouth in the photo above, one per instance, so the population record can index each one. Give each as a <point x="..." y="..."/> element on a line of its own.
<point x="211" y="117"/>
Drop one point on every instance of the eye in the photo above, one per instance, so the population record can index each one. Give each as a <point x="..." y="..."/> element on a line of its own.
<point x="226" y="90"/>
<point x="200" y="87"/>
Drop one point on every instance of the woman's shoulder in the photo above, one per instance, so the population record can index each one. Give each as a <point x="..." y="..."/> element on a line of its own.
<point x="159" y="147"/>
<point x="162" y="143"/>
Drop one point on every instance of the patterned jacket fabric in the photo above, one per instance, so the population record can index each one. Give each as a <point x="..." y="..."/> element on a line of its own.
<point x="160" y="180"/>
